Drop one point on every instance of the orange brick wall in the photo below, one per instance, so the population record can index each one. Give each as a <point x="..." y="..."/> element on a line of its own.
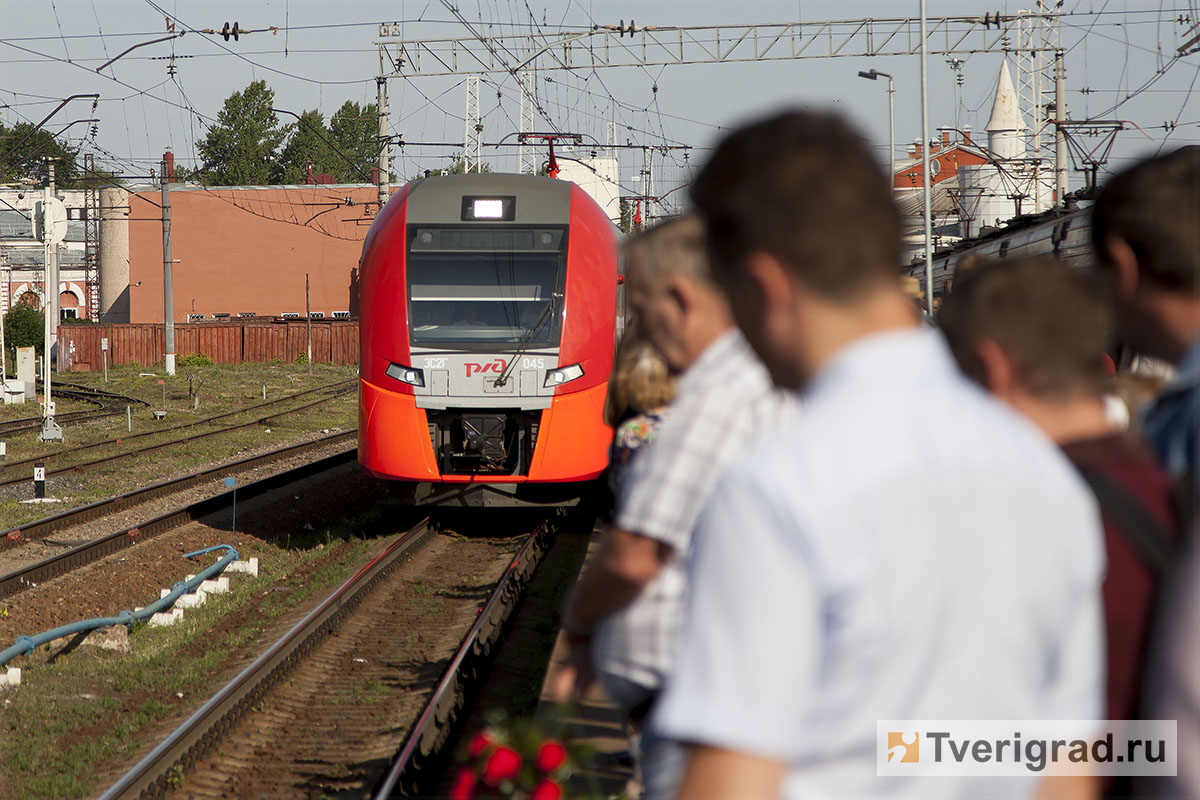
<point x="247" y="250"/>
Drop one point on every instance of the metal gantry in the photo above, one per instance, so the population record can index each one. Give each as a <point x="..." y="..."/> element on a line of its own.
<point x="528" y="158"/>
<point x="1039" y="37"/>
<point x="472" y="129"/>
<point x="91" y="235"/>
<point x="610" y="46"/>
<point x="1033" y="36"/>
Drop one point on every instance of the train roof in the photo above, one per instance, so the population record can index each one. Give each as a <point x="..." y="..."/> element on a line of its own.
<point x="536" y="200"/>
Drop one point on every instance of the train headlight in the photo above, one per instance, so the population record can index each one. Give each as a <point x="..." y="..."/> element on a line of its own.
<point x="557" y="377"/>
<point x="410" y="375"/>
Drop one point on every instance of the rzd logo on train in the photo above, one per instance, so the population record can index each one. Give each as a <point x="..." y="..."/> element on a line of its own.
<point x="496" y="366"/>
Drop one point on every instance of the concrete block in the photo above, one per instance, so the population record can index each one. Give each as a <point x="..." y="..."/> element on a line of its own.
<point x="191" y="600"/>
<point x="215" y="586"/>
<point x="166" y="618"/>
<point x="14" y="391"/>
<point x="115" y="638"/>
<point x="248" y="567"/>
<point x="164" y="592"/>
<point x="11" y="678"/>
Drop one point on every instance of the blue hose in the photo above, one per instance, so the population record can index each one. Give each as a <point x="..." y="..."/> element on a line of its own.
<point x="26" y="644"/>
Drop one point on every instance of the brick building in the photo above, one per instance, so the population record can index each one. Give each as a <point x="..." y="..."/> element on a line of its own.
<point x="239" y="251"/>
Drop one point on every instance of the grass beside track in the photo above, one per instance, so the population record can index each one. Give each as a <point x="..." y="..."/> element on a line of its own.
<point x="89" y="709"/>
<point x="219" y="388"/>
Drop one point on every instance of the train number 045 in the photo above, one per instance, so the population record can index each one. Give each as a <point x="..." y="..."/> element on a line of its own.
<point x="533" y="363"/>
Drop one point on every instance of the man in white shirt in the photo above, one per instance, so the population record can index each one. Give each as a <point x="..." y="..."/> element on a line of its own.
<point x="632" y="594"/>
<point x="906" y="549"/>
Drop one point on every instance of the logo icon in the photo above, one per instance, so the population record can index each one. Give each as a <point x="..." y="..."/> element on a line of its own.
<point x="496" y="366"/>
<point x="904" y="747"/>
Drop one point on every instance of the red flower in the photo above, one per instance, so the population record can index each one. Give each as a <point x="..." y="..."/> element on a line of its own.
<point x="551" y="756"/>
<point x="464" y="785"/>
<point x="480" y="743"/>
<point x="504" y="763"/>
<point x="546" y="790"/>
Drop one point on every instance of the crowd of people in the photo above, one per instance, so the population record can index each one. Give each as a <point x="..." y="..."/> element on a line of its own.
<point x="830" y="510"/>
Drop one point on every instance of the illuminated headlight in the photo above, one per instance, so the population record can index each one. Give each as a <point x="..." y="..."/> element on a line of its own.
<point x="557" y="377"/>
<point x="488" y="209"/>
<point x="410" y="375"/>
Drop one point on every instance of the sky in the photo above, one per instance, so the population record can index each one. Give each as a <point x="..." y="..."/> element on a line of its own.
<point x="324" y="54"/>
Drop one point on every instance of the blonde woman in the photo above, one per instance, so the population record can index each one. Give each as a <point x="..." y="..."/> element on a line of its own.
<point x="639" y="392"/>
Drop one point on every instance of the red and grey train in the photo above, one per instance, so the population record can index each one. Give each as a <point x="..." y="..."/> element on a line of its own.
<point x="488" y="314"/>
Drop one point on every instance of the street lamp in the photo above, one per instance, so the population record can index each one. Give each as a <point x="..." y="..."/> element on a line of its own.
<point x="874" y="75"/>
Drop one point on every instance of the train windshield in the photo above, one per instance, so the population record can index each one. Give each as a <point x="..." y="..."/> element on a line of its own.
<point x="484" y="286"/>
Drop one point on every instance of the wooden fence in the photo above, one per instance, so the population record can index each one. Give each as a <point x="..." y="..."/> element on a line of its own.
<point x="333" y="341"/>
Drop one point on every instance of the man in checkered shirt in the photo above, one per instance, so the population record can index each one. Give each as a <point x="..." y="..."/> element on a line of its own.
<point x="624" y="617"/>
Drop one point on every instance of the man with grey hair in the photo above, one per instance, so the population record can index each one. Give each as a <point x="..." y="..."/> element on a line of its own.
<point x="624" y="616"/>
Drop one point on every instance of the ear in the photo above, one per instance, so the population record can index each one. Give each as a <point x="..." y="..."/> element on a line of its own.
<point x="996" y="369"/>
<point x="1125" y="265"/>
<point x="680" y="293"/>
<point x="769" y="280"/>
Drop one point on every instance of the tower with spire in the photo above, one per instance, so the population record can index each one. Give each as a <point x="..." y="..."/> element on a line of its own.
<point x="1006" y="127"/>
<point x="1010" y="183"/>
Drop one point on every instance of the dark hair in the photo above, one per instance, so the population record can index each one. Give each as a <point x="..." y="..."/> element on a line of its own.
<point x="1154" y="206"/>
<point x="1046" y="318"/>
<point x="805" y="187"/>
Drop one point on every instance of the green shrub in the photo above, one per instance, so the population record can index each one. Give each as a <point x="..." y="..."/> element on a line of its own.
<point x="196" y="360"/>
<point x="24" y="326"/>
<point x="302" y="358"/>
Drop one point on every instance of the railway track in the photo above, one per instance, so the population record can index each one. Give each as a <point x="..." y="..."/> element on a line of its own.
<point x="87" y="553"/>
<point x="293" y="721"/>
<point x="338" y="390"/>
<point x="102" y="400"/>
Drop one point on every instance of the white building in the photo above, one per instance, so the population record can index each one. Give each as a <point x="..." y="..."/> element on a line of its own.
<point x="22" y="257"/>
<point x="597" y="177"/>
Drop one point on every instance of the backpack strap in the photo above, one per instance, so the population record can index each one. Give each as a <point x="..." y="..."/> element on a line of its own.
<point x="1146" y="536"/>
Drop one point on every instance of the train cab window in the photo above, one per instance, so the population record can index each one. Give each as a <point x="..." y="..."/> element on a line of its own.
<point x="485" y="286"/>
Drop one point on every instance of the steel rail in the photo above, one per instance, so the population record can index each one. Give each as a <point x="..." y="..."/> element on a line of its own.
<point x="150" y="448"/>
<point x="437" y="719"/>
<point x="75" y="391"/>
<point x="150" y="777"/>
<point x="90" y="552"/>
<point x="41" y="528"/>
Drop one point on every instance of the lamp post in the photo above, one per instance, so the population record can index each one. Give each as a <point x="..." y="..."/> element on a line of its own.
<point x="874" y="75"/>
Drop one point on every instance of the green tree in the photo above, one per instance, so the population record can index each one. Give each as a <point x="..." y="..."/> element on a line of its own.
<point x="243" y="144"/>
<point x="354" y="132"/>
<point x="24" y="326"/>
<point x="23" y="154"/>
<point x="306" y="144"/>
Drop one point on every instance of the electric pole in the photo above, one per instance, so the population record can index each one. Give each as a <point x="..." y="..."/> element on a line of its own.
<point x="381" y="110"/>
<point x="1060" y="135"/>
<point x="53" y="229"/>
<point x="168" y="282"/>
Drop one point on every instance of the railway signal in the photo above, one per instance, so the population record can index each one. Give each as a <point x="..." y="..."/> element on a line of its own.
<point x="39" y="481"/>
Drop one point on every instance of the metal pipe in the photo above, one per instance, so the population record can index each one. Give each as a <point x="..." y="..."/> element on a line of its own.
<point x="27" y="644"/>
<point x="925" y="165"/>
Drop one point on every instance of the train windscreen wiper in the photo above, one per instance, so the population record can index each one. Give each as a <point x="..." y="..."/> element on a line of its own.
<point x="527" y="339"/>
